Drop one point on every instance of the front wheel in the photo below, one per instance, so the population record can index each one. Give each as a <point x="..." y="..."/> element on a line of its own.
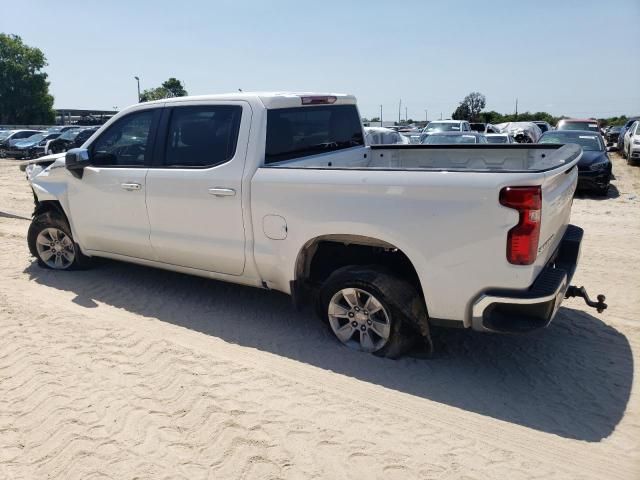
<point x="50" y="241"/>
<point x="368" y="309"/>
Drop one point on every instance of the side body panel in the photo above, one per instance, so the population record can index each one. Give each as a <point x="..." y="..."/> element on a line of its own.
<point x="449" y="224"/>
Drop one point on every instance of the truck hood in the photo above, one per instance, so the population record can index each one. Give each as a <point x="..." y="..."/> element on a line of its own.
<point x="589" y="158"/>
<point x="43" y="162"/>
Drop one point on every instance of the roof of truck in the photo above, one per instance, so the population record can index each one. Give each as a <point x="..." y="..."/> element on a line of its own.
<point x="268" y="99"/>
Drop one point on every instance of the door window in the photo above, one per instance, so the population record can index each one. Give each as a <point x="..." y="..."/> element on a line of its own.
<point x="202" y="136"/>
<point x="124" y="144"/>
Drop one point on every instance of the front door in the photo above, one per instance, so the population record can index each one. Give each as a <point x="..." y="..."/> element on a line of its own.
<point x="108" y="208"/>
<point x="194" y="196"/>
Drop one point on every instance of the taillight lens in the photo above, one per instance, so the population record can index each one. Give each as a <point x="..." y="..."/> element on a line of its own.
<point x="522" y="240"/>
<point x="318" y="100"/>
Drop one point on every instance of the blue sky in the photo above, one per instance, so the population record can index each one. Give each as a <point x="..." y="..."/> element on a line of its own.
<point x="578" y="58"/>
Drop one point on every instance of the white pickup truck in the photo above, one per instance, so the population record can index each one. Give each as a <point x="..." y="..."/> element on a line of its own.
<point x="280" y="191"/>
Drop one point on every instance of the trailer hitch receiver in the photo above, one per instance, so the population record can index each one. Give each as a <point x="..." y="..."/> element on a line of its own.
<point x="574" y="291"/>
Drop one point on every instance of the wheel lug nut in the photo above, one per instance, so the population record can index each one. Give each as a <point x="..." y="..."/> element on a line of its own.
<point x="363" y="328"/>
<point x="350" y="314"/>
<point x="368" y="322"/>
<point x="357" y="309"/>
<point x="354" y="324"/>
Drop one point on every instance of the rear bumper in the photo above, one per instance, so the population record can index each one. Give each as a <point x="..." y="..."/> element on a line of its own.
<point x="516" y="311"/>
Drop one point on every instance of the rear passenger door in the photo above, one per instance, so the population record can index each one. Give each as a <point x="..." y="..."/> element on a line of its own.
<point x="194" y="191"/>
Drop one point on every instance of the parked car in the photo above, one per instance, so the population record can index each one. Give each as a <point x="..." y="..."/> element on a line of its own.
<point x="522" y="132"/>
<point x="578" y="124"/>
<point x="611" y="135"/>
<point x="543" y="126"/>
<point x="484" y="128"/>
<point x="383" y="136"/>
<point x="9" y="137"/>
<point x="31" y="147"/>
<point x="376" y="235"/>
<point x="631" y="145"/>
<point x="499" y="138"/>
<point x="70" y="139"/>
<point x="447" y="126"/>
<point x="594" y="167"/>
<point x="623" y="132"/>
<point x="449" y="138"/>
<point x="63" y="128"/>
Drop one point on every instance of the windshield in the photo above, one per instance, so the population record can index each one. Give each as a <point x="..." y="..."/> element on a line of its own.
<point x="593" y="126"/>
<point x="4" y="135"/>
<point x="589" y="143"/>
<point x="498" y="139"/>
<point x="443" y="127"/>
<point x="436" y="139"/>
<point x="69" y="135"/>
<point x="34" y="138"/>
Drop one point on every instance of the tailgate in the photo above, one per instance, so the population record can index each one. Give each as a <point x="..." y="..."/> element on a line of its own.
<point x="558" y="188"/>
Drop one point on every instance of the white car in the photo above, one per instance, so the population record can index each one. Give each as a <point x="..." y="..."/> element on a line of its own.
<point x="280" y="191"/>
<point x="447" y="126"/>
<point x="384" y="136"/>
<point x="631" y="148"/>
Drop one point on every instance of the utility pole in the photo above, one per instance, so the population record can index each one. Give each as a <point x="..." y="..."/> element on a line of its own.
<point x="516" y="109"/>
<point x="426" y="115"/>
<point x="440" y="115"/>
<point x="381" y="115"/>
<point x="399" y="110"/>
<point x="138" y="80"/>
<point x="406" y="115"/>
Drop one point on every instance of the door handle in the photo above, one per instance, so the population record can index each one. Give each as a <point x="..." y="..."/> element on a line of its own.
<point x="222" y="192"/>
<point x="131" y="186"/>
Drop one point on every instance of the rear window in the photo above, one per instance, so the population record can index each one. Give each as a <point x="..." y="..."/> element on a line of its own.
<point x="498" y="139"/>
<point x="593" y="126"/>
<point x="442" y="127"/>
<point x="435" y="139"/>
<point x="589" y="143"/>
<point x="303" y="131"/>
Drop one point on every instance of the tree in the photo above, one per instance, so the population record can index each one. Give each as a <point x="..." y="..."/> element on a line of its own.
<point x="470" y="107"/>
<point x="24" y="89"/>
<point x="169" y="89"/>
<point x="461" y="113"/>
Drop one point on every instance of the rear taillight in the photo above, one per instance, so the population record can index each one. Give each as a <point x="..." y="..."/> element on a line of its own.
<point x="318" y="100"/>
<point x="522" y="240"/>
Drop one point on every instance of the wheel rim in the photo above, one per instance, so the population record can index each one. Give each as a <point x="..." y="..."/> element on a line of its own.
<point x="55" y="248"/>
<point x="359" y="320"/>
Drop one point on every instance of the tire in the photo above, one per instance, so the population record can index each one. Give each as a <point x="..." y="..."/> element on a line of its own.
<point x="347" y="294"/>
<point x="50" y="241"/>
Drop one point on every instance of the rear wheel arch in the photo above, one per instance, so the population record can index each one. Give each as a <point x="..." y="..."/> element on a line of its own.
<point x="321" y="256"/>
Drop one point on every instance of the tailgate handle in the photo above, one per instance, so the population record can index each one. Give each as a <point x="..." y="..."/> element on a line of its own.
<point x="222" y="192"/>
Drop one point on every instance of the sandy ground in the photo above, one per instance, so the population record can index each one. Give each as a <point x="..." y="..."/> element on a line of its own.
<point x="128" y="372"/>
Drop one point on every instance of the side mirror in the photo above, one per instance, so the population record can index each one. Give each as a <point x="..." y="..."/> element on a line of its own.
<point x="75" y="160"/>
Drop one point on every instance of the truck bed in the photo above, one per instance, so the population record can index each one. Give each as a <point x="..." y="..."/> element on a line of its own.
<point x="438" y="205"/>
<point x="476" y="158"/>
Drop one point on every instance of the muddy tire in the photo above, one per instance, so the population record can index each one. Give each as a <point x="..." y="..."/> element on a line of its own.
<point x="371" y="310"/>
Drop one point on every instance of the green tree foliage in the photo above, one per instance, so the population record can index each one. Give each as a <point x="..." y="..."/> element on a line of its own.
<point x="470" y="107"/>
<point x="170" y="88"/>
<point x="24" y="89"/>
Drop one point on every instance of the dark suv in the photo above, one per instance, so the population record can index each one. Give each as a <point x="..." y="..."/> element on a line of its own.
<point x="70" y="139"/>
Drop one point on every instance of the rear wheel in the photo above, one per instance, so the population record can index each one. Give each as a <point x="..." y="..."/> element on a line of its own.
<point x="51" y="242"/>
<point x="367" y="310"/>
<point x="602" y="191"/>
